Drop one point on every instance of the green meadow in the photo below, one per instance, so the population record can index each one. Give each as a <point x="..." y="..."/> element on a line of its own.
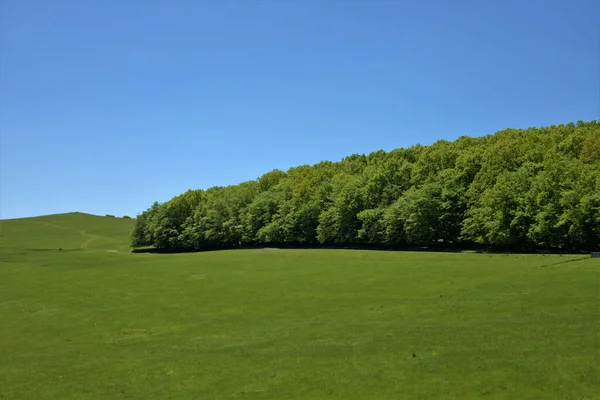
<point x="95" y="321"/>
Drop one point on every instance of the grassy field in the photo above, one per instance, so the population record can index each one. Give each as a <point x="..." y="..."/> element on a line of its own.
<point x="94" y="321"/>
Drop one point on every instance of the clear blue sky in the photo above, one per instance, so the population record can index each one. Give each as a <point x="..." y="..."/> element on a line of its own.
<point x="107" y="106"/>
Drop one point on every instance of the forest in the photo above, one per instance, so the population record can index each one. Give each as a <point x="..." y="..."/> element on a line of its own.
<point x="517" y="189"/>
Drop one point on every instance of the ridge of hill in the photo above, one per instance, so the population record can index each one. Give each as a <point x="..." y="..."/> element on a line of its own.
<point x="69" y="231"/>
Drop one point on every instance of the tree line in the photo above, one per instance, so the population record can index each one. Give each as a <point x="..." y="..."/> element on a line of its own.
<point x="517" y="189"/>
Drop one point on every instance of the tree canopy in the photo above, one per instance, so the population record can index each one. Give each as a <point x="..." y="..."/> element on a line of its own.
<point x="517" y="188"/>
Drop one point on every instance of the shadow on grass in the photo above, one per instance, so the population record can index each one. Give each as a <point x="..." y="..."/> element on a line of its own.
<point x="563" y="262"/>
<point x="56" y="250"/>
<point x="435" y="247"/>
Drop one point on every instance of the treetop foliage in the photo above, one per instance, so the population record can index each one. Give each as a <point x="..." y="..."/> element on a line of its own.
<point x="537" y="187"/>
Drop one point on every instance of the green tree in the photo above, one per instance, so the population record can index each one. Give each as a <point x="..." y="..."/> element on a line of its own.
<point x="518" y="188"/>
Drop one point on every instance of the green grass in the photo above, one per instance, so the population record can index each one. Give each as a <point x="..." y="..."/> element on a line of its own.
<point x="73" y="231"/>
<point x="99" y="322"/>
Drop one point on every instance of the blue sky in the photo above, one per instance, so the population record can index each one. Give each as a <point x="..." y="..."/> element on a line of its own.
<point x="107" y="106"/>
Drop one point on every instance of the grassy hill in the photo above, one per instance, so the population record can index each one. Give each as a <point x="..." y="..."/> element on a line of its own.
<point x="72" y="231"/>
<point x="91" y="323"/>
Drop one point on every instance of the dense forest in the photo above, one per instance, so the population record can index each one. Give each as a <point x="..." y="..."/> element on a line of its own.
<point x="516" y="189"/>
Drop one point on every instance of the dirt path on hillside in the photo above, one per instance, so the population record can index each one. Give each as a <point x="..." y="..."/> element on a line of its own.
<point x="85" y="244"/>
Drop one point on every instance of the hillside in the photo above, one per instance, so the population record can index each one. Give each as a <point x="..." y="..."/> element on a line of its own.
<point x="72" y="231"/>
<point x="296" y="324"/>
<point x="517" y="189"/>
<point x="95" y="321"/>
